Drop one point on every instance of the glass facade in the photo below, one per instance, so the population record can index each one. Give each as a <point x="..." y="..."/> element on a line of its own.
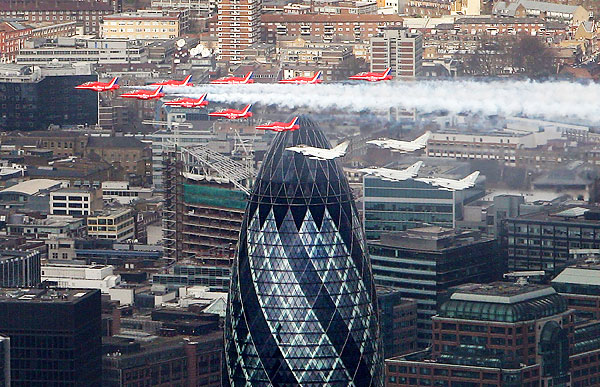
<point x="302" y="306"/>
<point x="53" y="100"/>
<point x="401" y="205"/>
<point x="391" y="206"/>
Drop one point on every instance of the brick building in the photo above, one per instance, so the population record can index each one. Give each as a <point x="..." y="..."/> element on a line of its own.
<point x="87" y="14"/>
<point x="238" y="27"/>
<point x="428" y="8"/>
<point x="13" y="35"/>
<point x="503" y="334"/>
<point x="164" y="361"/>
<point x="329" y="28"/>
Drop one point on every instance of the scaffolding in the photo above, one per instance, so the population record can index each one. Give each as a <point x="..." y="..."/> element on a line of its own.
<point x="202" y="161"/>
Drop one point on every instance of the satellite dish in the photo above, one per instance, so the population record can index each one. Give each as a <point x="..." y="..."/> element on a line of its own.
<point x="180" y="43"/>
<point x="205" y="52"/>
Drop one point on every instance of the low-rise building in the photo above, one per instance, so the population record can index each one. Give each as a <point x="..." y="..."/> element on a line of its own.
<point x="77" y="276"/>
<point x="543" y="240"/>
<point x="83" y="49"/>
<point x="118" y="225"/>
<point x="122" y="192"/>
<point x="33" y="194"/>
<point x="52" y="225"/>
<point x="573" y="14"/>
<point x="75" y="201"/>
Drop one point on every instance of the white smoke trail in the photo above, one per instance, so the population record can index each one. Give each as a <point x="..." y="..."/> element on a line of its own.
<point x="559" y="99"/>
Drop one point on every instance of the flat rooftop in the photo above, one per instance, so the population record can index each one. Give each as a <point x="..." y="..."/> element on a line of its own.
<point x="501" y="292"/>
<point x="570" y="214"/>
<point x="43" y="295"/>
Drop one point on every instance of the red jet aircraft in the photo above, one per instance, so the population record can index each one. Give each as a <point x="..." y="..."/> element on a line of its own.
<point x="234" y="80"/>
<point x="281" y="126"/>
<point x="145" y="94"/>
<point x="189" y="102"/>
<point x="233" y="114"/>
<point x="304" y="80"/>
<point x="100" y="86"/>
<point x="185" y="82"/>
<point x="373" y="77"/>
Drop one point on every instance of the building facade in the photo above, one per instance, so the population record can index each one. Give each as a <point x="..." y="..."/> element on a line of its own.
<point x="118" y="225"/>
<point x="238" y="27"/>
<point x="543" y="240"/>
<point x="19" y="269"/>
<point x="75" y="202"/>
<point x="26" y="93"/>
<point x="328" y="28"/>
<point x="302" y="278"/>
<point x="390" y="206"/>
<point x="424" y="263"/>
<point x="144" y="25"/>
<point x="87" y="14"/>
<point x="398" y="49"/>
<point x="55" y="336"/>
<point x="503" y="334"/>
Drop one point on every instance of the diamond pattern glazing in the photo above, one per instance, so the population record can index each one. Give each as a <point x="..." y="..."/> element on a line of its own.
<point x="302" y="306"/>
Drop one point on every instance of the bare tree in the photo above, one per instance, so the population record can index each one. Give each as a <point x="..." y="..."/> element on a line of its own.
<point x="532" y="57"/>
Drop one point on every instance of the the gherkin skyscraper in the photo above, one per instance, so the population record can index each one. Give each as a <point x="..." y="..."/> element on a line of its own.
<point x="302" y="306"/>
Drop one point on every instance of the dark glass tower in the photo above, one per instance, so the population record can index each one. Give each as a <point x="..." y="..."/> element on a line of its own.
<point x="302" y="306"/>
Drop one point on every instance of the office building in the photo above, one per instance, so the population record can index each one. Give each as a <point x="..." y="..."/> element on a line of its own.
<point x="182" y="275"/>
<point x="145" y="25"/>
<point x="83" y="49"/>
<point x="302" y="308"/>
<point x="579" y="285"/>
<point x="19" y="269"/>
<point x="118" y="225"/>
<point x="390" y="206"/>
<point x="398" y="49"/>
<point x="75" y="201"/>
<point x="238" y="27"/>
<point x="172" y="361"/>
<point x="51" y="226"/>
<point x="423" y="263"/>
<point x="503" y="334"/>
<point x="543" y="240"/>
<point x="77" y="276"/>
<point x="34" y="194"/>
<point x="501" y="144"/>
<point x="4" y="361"/>
<point x="27" y="91"/>
<point x="54" y="336"/>
<point x="124" y="193"/>
<point x="398" y="318"/>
